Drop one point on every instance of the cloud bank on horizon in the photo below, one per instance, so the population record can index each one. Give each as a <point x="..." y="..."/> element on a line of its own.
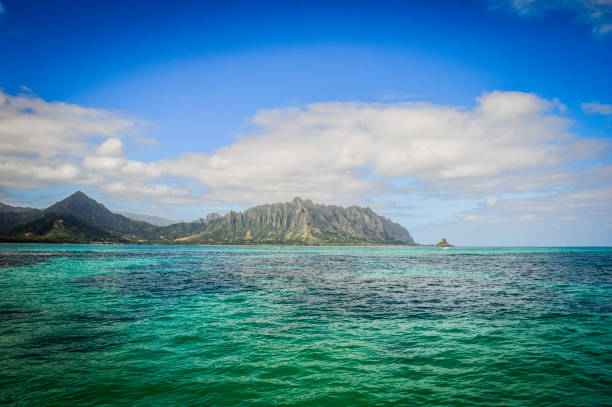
<point x="514" y="152"/>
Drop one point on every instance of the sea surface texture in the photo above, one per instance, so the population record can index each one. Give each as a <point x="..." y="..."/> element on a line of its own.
<point x="305" y="326"/>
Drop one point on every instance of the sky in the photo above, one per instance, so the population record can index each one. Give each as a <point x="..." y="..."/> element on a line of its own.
<point x="488" y="122"/>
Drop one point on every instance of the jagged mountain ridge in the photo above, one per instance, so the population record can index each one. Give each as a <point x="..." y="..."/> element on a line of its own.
<point x="296" y="222"/>
<point x="80" y="219"/>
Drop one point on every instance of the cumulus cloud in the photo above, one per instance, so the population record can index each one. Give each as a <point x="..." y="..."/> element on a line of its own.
<point x="30" y="125"/>
<point x="596" y="108"/>
<point x="110" y="161"/>
<point x="343" y="153"/>
<point x="598" y="13"/>
<point x="46" y="143"/>
<point x="34" y="172"/>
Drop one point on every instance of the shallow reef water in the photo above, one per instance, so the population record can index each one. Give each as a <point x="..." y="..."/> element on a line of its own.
<point x="126" y="325"/>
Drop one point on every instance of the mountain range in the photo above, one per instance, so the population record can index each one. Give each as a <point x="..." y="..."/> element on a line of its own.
<point x="153" y="220"/>
<point x="80" y="219"/>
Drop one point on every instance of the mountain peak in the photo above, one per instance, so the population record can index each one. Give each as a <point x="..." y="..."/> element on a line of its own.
<point x="77" y="202"/>
<point x="88" y="210"/>
<point x="302" y="202"/>
<point x="78" y="194"/>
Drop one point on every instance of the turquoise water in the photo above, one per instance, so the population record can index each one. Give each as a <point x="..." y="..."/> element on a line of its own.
<point x="306" y="326"/>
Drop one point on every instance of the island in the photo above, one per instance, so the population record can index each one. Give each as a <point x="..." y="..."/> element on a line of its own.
<point x="443" y="243"/>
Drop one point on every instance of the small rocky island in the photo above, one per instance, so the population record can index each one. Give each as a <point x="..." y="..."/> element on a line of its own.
<point x="443" y="243"/>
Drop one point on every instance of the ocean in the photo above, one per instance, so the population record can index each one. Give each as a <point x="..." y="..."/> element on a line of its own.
<point x="115" y="325"/>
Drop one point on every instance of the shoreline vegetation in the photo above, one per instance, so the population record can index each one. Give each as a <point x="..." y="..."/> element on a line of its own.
<point x="79" y="219"/>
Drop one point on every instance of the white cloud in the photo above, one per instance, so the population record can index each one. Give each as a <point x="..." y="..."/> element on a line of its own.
<point x="111" y="147"/>
<point x="110" y="161"/>
<point x="30" y="125"/>
<point x="597" y="13"/>
<point x="596" y="108"/>
<point x="138" y="192"/>
<point x="492" y="200"/>
<point x="342" y="153"/>
<point x="576" y="204"/>
<point x="571" y="217"/>
<point x="34" y="172"/>
<point x="46" y="143"/>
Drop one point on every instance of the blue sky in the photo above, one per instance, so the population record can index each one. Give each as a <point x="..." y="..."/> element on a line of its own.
<point x="462" y="119"/>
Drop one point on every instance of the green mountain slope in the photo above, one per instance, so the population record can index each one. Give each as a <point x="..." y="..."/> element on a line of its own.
<point x="89" y="211"/>
<point x="52" y="228"/>
<point x="296" y="222"/>
<point x="80" y="219"/>
<point x="13" y="216"/>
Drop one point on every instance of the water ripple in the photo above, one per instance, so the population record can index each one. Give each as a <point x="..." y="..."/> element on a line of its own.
<point x="260" y="326"/>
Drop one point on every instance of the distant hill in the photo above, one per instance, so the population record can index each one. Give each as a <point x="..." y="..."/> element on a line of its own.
<point x="153" y="220"/>
<point x="80" y="219"/>
<point x="12" y="216"/>
<point x="89" y="211"/>
<point x="7" y="208"/>
<point x="52" y="228"/>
